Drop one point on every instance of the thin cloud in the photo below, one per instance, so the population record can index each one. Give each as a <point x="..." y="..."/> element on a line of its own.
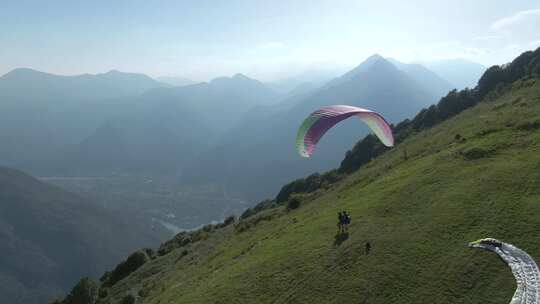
<point x="516" y="18"/>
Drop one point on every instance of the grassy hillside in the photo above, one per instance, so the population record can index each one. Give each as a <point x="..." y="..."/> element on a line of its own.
<point x="475" y="175"/>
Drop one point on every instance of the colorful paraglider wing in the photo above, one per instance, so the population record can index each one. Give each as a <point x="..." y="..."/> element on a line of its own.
<point x="320" y="121"/>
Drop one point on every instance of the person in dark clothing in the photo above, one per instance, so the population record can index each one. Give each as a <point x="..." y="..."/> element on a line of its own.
<point x="340" y="222"/>
<point x="346" y="220"/>
<point x="368" y="247"/>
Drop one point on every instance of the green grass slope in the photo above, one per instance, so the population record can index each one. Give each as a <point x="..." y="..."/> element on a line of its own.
<point x="418" y="213"/>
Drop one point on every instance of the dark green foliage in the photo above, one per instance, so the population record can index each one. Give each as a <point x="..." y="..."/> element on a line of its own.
<point x="293" y="203"/>
<point x="427" y="118"/>
<point x="493" y="76"/>
<point x="302" y="185"/>
<point x="529" y="125"/>
<point x="180" y="240"/>
<point x="150" y="252"/>
<point x="290" y="188"/>
<point x="455" y="102"/>
<point x="129" y="299"/>
<point x="475" y="153"/>
<point x="266" y="204"/>
<point x="208" y="228"/>
<point x="230" y="220"/>
<point x="85" y="292"/>
<point x="143" y="293"/>
<point x="526" y="64"/>
<point x="362" y="153"/>
<point x="331" y="177"/>
<point x="105" y="277"/>
<point x="103" y="292"/>
<point x="184" y="238"/>
<point x="122" y="270"/>
<point x="226" y="222"/>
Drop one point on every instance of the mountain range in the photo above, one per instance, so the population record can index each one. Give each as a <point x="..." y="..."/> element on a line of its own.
<point x="258" y="155"/>
<point x="42" y="113"/>
<point x="165" y="128"/>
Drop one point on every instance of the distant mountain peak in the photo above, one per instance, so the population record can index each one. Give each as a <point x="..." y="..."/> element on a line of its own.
<point x="374" y="61"/>
<point x="236" y="78"/>
<point x="22" y="72"/>
<point x="112" y="72"/>
<point x="374" y="57"/>
<point x="240" y="76"/>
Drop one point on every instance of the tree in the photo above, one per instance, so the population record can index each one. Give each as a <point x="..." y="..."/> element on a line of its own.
<point x="85" y="292"/>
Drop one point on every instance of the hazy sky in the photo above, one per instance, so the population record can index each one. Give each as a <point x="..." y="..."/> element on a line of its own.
<point x="264" y="39"/>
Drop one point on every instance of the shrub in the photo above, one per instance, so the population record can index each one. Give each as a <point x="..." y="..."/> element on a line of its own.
<point x="103" y="292"/>
<point x="293" y="203"/>
<point x="264" y="205"/>
<point x="230" y="220"/>
<point x="105" y="277"/>
<point x="150" y="253"/>
<point x="143" y="293"/>
<point x="180" y="240"/>
<point x="529" y="125"/>
<point x="129" y="299"/>
<point x="132" y="263"/>
<point x="85" y="292"/>
<point x="304" y="185"/>
<point x="208" y="228"/>
<point x="474" y="153"/>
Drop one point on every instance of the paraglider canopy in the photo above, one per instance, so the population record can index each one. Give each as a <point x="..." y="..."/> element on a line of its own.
<point x="317" y="123"/>
<point x="523" y="267"/>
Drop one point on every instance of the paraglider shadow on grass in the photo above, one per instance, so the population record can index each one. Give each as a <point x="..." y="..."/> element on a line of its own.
<point x="340" y="238"/>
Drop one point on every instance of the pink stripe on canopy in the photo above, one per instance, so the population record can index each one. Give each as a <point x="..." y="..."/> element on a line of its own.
<point x="325" y="118"/>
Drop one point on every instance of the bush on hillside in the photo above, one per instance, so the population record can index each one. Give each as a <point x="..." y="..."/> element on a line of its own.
<point x="132" y="263"/>
<point x="103" y="292"/>
<point x="105" y="276"/>
<point x="529" y="125"/>
<point x="302" y="185"/>
<point x="474" y="153"/>
<point x="230" y="220"/>
<point x="85" y="292"/>
<point x="264" y="205"/>
<point x="293" y="203"/>
<point x="180" y="240"/>
<point x="129" y="299"/>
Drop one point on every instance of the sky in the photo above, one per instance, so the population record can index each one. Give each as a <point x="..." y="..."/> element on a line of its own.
<point x="267" y="40"/>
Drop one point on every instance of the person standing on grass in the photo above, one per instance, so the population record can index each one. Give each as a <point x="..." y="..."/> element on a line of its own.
<point x="340" y="222"/>
<point x="346" y="220"/>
